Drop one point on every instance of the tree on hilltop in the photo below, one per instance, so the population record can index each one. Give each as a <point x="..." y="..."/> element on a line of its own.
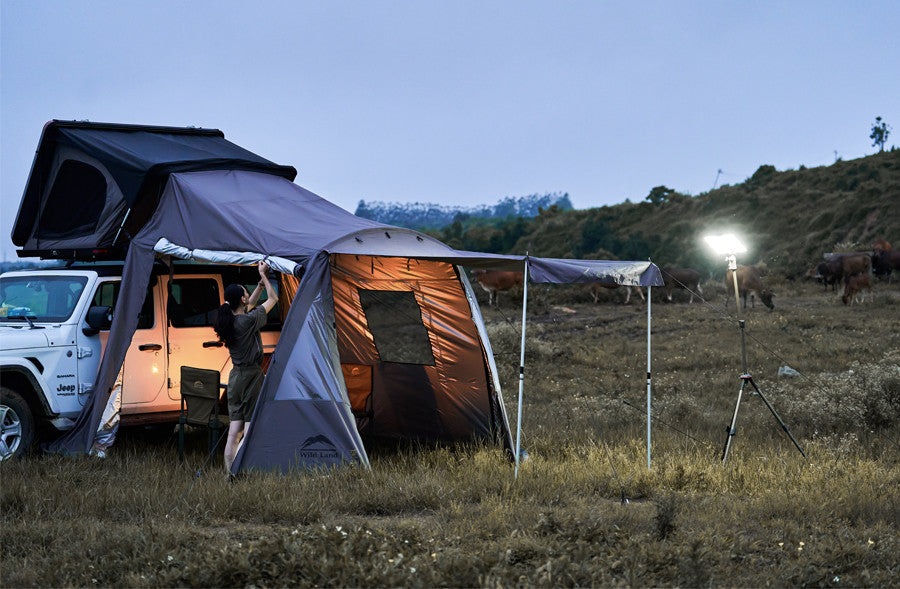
<point x="659" y="194"/>
<point x="880" y="132"/>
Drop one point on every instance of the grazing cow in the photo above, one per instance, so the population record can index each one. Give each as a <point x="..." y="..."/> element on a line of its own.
<point x="840" y="267"/>
<point x="885" y="261"/>
<point x="686" y="278"/>
<point x="493" y="281"/>
<point x="855" y="264"/>
<point x="854" y="287"/>
<point x="749" y="281"/>
<point x="830" y="271"/>
<point x="596" y="286"/>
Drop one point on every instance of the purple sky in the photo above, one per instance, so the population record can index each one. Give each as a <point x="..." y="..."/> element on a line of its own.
<point x="464" y="102"/>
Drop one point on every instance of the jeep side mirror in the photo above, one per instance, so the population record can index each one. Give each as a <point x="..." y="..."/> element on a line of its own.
<point x="98" y="318"/>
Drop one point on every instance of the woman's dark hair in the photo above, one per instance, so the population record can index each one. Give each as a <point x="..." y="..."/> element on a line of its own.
<point x="224" y="324"/>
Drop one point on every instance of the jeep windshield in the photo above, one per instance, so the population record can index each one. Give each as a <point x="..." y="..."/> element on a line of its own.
<point x="50" y="299"/>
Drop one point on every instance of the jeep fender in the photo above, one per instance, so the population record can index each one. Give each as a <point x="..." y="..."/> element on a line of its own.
<point x="21" y="375"/>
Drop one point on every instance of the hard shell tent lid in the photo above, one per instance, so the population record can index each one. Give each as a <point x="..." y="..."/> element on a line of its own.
<point x="88" y="179"/>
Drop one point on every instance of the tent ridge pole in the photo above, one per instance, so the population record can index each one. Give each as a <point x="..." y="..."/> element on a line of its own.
<point x="521" y="367"/>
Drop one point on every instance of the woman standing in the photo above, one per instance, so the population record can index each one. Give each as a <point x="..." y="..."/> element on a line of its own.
<point x="238" y="324"/>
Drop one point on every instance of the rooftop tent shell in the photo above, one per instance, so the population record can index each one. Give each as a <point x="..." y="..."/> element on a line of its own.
<point x="94" y="184"/>
<point x="313" y="408"/>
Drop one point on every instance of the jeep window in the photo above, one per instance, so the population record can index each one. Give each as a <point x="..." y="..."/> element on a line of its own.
<point x="193" y="302"/>
<point x="108" y="293"/>
<point x="395" y="321"/>
<point x="273" y="319"/>
<point x="50" y="299"/>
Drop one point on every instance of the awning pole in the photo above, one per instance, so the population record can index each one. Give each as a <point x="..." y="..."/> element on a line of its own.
<point x="521" y="368"/>
<point x="649" y="298"/>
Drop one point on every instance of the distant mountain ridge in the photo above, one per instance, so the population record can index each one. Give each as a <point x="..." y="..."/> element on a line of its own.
<point x="424" y="215"/>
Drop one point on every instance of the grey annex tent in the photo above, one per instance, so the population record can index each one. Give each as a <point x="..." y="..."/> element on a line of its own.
<point x="383" y="337"/>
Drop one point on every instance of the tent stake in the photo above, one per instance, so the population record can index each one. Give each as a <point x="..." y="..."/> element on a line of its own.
<point x="521" y="368"/>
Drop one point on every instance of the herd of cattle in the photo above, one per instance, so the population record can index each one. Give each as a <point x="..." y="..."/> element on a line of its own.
<point x="855" y="270"/>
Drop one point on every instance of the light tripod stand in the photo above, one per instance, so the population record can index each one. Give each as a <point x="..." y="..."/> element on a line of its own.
<point x="746" y="379"/>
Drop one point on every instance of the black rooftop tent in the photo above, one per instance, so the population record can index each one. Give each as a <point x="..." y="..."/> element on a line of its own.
<point x="337" y="372"/>
<point x="91" y="184"/>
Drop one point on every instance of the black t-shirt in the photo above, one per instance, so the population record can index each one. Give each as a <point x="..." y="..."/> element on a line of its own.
<point x="247" y="350"/>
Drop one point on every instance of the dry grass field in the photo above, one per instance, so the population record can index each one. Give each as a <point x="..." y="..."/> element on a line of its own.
<point x="426" y="517"/>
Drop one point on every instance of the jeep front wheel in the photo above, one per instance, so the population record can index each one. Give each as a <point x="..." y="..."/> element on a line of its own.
<point x="16" y="425"/>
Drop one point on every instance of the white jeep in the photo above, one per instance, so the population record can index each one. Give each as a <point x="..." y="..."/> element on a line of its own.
<point x="54" y="325"/>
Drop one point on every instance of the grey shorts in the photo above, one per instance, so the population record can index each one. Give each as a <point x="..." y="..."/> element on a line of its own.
<point x="244" y="384"/>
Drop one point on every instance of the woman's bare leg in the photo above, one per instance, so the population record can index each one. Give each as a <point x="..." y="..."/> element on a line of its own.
<point x="235" y="429"/>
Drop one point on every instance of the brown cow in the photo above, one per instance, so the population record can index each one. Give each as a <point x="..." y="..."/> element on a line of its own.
<point x="841" y="267"/>
<point x="855" y="264"/>
<point x="749" y="281"/>
<point x="856" y="284"/>
<point x="685" y="278"/>
<point x="881" y="245"/>
<point x="596" y="286"/>
<point x="830" y="271"/>
<point x="884" y="262"/>
<point x="494" y="281"/>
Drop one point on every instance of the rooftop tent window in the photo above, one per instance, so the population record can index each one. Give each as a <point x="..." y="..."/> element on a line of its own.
<point x="75" y="202"/>
<point x="395" y="321"/>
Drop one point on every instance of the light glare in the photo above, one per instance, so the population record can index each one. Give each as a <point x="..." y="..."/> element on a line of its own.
<point x="727" y="244"/>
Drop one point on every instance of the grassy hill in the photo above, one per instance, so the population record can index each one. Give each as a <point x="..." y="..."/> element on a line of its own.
<point x="788" y="218"/>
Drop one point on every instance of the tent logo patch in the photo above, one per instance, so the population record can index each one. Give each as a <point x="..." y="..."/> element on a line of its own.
<point x="317" y="448"/>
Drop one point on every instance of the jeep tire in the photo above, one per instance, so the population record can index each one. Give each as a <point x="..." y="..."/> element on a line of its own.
<point x="16" y="425"/>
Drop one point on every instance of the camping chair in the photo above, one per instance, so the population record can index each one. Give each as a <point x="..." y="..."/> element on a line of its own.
<point x="199" y="404"/>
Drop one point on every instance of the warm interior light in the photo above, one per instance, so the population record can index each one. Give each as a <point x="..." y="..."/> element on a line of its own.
<point x="727" y="244"/>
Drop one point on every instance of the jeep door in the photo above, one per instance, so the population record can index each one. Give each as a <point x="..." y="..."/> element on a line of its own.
<point x="192" y="303"/>
<point x="144" y="370"/>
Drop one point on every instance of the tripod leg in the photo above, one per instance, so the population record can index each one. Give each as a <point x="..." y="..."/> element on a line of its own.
<point x="775" y="413"/>
<point x="732" y="429"/>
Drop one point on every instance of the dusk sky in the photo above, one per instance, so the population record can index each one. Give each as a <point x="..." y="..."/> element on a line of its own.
<point x="464" y="102"/>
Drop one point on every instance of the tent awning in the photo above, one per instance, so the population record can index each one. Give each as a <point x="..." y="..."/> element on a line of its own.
<point x="265" y="214"/>
<point x="242" y="214"/>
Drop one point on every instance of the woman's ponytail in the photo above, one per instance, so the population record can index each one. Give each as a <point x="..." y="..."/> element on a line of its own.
<point x="224" y="324"/>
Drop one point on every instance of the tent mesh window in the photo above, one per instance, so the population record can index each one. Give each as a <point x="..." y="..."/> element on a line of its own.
<point x="395" y="321"/>
<point x="76" y="182"/>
